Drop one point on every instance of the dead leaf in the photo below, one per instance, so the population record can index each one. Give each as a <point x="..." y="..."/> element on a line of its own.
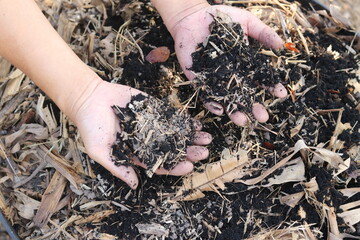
<point x="61" y="165"/>
<point x="297" y="128"/>
<point x="45" y="114"/>
<point x="25" y="205"/>
<point x="292" y="199"/>
<point x="312" y="185"/>
<point x="350" y="217"/>
<point x="299" y="145"/>
<point x="152" y="229"/>
<point x="214" y="175"/>
<point x="328" y="156"/>
<point x="12" y="86"/>
<point x="293" y="171"/>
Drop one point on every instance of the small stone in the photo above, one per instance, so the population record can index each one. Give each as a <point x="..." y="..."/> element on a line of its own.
<point x="160" y="54"/>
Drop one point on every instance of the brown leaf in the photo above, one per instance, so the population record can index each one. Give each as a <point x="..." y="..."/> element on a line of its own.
<point x="293" y="171"/>
<point x="160" y="54"/>
<point x="214" y="175"/>
<point x="292" y="200"/>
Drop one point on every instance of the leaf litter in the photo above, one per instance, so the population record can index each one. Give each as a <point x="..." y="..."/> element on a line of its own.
<point x="321" y="113"/>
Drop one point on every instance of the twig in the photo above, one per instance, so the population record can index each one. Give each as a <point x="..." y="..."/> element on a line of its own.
<point x="33" y="174"/>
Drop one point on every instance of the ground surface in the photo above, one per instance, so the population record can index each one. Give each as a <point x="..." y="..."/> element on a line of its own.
<point x="294" y="177"/>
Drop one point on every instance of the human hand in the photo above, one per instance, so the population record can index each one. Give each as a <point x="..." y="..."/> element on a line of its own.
<point x="98" y="126"/>
<point x="193" y="28"/>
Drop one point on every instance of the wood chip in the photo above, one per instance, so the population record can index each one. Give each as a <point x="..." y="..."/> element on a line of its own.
<point x="50" y="199"/>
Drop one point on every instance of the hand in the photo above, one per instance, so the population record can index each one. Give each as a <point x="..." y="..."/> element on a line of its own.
<point x="98" y="126"/>
<point x="192" y="29"/>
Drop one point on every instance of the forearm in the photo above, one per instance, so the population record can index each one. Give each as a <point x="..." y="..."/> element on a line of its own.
<point x="29" y="42"/>
<point x="172" y="11"/>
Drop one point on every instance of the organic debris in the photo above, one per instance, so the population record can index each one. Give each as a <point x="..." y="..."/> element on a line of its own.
<point x="228" y="70"/>
<point x="154" y="132"/>
<point x="314" y="132"/>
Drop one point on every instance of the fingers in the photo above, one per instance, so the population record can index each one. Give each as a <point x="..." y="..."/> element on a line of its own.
<point x="263" y="33"/>
<point x="202" y="138"/>
<point x="194" y="154"/>
<point x="239" y="118"/>
<point x="258" y="110"/>
<point x="197" y="153"/>
<point x="253" y="26"/>
<point x="278" y="90"/>
<point x="260" y="113"/>
<point x="180" y="169"/>
<point x="125" y="173"/>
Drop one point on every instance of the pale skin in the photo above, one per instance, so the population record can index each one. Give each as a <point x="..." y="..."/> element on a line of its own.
<point x="29" y="42"/>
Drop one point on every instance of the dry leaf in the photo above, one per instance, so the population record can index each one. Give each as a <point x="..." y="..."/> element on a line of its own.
<point x="5" y="67"/>
<point x="350" y="217"/>
<point x="152" y="229"/>
<point x="45" y="114"/>
<point x="25" y="205"/>
<point x="61" y="165"/>
<point x="349" y="192"/>
<point x="214" y="175"/>
<point x="343" y="167"/>
<point x="328" y="156"/>
<point x="291" y="233"/>
<point x="299" y="145"/>
<point x="292" y="200"/>
<point x="293" y="171"/>
<point x="350" y="205"/>
<point x="299" y="124"/>
<point x="160" y="54"/>
<point x="312" y="185"/>
<point x="13" y="85"/>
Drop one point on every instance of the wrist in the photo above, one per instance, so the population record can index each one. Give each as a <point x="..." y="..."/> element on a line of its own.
<point x="173" y="11"/>
<point x="72" y="100"/>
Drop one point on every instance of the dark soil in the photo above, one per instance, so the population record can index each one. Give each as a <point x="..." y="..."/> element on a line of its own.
<point x="228" y="70"/>
<point x="242" y="211"/>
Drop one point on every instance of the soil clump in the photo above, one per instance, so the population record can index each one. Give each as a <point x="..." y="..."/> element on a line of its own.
<point x="153" y="131"/>
<point x="229" y="70"/>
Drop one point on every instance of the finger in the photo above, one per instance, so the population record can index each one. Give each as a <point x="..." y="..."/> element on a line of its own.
<point x="180" y="169"/>
<point x="260" y="112"/>
<point x="214" y="108"/>
<point x="254" y="27"/>
<point x="202" y="138"/>
<point x="263" y="33"/>
<point x="278" y="90"/>
<point x="197" y="153"/>
<point x="125" y="173"/>
<point x="239" y="118"/>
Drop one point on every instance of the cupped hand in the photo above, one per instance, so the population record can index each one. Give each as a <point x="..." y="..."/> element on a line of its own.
<point x="193" y="29"/>
<point x="98" y="126"/>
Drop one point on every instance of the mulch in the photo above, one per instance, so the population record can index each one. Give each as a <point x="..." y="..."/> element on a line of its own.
<point x="293" y="177"/>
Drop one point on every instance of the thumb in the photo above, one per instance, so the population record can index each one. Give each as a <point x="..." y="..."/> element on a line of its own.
<point x="254" y="27"/>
